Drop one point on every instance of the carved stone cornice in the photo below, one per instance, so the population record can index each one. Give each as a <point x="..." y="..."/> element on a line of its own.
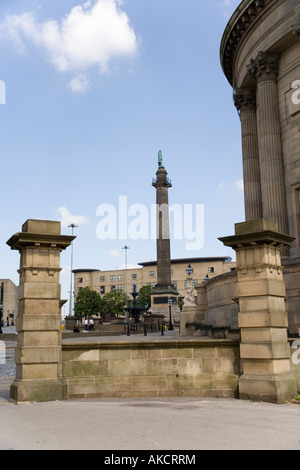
<point x="265" y="66"/>
<point x="243" y="18"/>
<point x="244" y="99"/>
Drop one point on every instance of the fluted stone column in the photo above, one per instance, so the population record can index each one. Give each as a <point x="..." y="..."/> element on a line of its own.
<point x="265" y="70"/>
<point x="245" y="102"/>
<point x="38" y="352"/>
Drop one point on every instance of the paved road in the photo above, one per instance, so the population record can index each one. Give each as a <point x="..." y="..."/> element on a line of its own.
<point x="144" y="424"/>
<point x="160" y="424"/>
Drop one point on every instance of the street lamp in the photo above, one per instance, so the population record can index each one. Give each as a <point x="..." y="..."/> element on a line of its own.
<point x="189" y="270"/>
<point x="171" y="328"/>
<point x="1" y="318"/>
<point x="72" y="226"/>
<point x="126" y="248"/>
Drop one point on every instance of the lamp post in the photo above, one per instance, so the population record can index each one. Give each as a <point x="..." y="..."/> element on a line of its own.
<point x="72" y="226"/>
<point x="171" y="328"/>
<point x="1" y="318"/>
<point x="189" y="270"/>
<point x="126" y="302"/>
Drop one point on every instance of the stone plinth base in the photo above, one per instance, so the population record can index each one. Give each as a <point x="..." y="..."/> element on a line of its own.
<point x="160" y="305"/>
<point x="273" y="389"/>
<point x="189" y="314"/>
<point x="22" y="391"/>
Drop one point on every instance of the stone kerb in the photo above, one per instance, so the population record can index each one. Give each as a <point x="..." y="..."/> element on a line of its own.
<point x="38" y="352"/>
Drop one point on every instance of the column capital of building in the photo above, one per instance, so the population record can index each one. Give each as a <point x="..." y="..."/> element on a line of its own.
<point x="244" y="99"/>
<point x="256" y="232"/>
<point x="296" y="30"/>
<point x="265" y="66"/>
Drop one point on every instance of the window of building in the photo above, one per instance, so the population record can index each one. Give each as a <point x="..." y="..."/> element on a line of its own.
<point x="174" y="283"/>
<point x="151" y="273"/>
<point x="171" y="272"/>
<point x="134" y="276"/>
<point x="120" y="287"/>
<point x="195" y="282"/>
<point x="112" y="278"/>
<point x="102" y="290"/>
<point x="80" y="280"/>
<point x="102" y="278"/>
<point x="211" y="270"/>
<point x="112" y="288"/>
<point x="120" y="277"/>
<point x="148" y="284"/>
<point x="79" y="289"/>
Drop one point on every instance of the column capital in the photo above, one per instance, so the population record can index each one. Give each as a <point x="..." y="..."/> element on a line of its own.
<point x="296" y="30"/>
<point x="244" y="99"/>
<point x="265" y="66"/>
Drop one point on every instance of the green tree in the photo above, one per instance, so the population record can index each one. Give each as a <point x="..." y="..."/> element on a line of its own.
<point x="113" y="303"/>
<point x="144" y="297"/>
<point x="88" y="303"/>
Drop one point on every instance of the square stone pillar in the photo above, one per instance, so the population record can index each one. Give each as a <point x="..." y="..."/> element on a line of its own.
<point x="38" y="352"/>
<point x="263" y="320"/>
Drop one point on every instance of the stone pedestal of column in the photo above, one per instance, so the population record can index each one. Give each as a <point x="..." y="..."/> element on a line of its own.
<point x="264" y="348"/>
<point x="38" y="352"/>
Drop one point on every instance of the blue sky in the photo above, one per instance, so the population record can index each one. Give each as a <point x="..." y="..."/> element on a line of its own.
<point x="94" y="89"/>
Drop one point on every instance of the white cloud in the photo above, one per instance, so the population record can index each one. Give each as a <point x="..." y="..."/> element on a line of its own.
<point x="67" y="218"/>
<point x="92" y="34"/>
<point x="239" y="184"/>
<point x="79" y="84"/>
<point x="114" y="253"/>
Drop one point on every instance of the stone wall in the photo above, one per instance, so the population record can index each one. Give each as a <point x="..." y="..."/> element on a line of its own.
<point x="147" y="368"/>
<point x="222" y="309"/>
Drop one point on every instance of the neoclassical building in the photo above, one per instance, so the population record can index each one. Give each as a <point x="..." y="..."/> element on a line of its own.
<point x="260" y="56"/>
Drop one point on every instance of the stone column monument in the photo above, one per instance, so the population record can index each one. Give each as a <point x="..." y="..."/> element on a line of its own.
<point x="264" y="349"/>
<point x="38" y="352"/>
<point x="164" y="289"/>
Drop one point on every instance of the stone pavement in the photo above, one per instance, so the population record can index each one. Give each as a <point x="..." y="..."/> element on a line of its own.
<point x="144" y="424"/>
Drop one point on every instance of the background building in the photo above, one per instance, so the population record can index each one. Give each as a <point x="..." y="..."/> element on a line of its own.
<point x="8" y="301"/>
<point x="146" y="275"/>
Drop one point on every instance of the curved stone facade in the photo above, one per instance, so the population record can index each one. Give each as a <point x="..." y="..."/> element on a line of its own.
<point x="260" y="56"/>
<point x="222" y="309"/>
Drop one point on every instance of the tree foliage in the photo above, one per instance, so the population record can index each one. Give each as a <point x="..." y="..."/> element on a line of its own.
<point x="88" y="303"/>
<point x="144" y="297"/>
<point x="113" y="303"/>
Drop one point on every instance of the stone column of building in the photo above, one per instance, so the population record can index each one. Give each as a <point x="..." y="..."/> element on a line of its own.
<point x="38" y="352"/>
<point x="265" y="69"/>
<point x="245" y="102"/>
<point x="264" y="349"/>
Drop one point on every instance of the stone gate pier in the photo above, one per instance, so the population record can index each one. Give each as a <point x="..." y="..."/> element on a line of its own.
<point x="38" y="352"/>
<point x="264" y="349"/>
